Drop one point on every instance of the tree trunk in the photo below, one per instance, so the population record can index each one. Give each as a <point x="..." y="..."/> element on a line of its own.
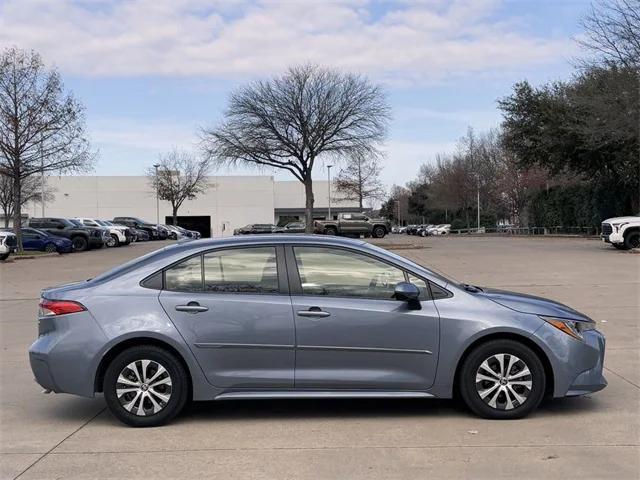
<point x="308" y="210"/>
<point x="175" y="216"/>
<point x="17" y="210"/>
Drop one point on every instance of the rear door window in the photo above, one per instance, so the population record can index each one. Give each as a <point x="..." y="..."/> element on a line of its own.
<point x="241" y="270"/>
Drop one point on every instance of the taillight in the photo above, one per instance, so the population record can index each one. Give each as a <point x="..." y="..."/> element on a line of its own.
<point x="59" y="307"/>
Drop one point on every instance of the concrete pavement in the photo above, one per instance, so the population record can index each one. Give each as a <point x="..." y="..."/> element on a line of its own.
<point x="60" y="436"/>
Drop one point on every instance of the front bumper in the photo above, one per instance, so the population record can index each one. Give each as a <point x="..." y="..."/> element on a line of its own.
<point x="613" y="237"/>
<point x="577" y="365"/>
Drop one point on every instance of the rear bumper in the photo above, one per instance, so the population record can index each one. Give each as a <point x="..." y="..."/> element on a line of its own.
<point x="57" y="361"/>
<point x="96" y="242"/>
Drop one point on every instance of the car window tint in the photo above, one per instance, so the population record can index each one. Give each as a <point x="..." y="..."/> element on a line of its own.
<point x="342" y="273"/>
<point x="422" y="285"/>
<point x="185" y="276"/>
<point x="242" y="270"/>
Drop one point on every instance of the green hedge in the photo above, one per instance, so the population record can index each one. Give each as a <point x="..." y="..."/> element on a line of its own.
<point x="581" y="205"/>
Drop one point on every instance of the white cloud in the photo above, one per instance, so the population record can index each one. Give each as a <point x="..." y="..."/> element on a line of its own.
<point x="412" y="42"/>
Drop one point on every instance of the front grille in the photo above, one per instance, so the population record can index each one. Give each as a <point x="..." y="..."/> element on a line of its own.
<point x="607" y="229"/>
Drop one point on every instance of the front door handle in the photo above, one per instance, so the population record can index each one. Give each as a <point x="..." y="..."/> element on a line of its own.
<point x="191" y="307"/>
<point x="313" y="312"/>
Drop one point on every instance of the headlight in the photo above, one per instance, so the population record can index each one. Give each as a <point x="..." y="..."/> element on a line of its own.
<point x="575" y="328"/>
<point x="617" y="226"/>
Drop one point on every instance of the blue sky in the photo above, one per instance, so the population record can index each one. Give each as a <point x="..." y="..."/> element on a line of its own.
<point x="152" y="72"/>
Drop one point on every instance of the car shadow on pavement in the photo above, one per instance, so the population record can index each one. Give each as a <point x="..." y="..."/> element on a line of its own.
<point x="363" y="408"/>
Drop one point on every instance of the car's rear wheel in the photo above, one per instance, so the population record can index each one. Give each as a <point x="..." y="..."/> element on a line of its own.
<point x="50" y="248"/>
<point x="502" y="379"/>
<point x="378" y="232"/>
<point x="80" y="244"/>
<point x="331" y="231"/>
<point x="145" y="386"/>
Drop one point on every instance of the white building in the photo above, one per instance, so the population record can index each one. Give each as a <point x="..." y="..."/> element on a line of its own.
<point x="230" y="201"/>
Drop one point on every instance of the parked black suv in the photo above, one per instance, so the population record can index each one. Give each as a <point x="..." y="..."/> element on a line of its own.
<point x="134" y="222"/>
<point x="82" y="238"/>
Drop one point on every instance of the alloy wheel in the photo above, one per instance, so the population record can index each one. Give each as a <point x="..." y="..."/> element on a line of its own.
<point x="503" y="381"/>
<point x="143" y="387"/>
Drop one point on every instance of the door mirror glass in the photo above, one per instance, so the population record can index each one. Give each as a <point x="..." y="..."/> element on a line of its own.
<point x="408" y="292"/>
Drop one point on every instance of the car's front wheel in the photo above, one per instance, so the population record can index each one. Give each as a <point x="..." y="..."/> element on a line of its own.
<point x="378" y="232"/>
<point x="502" y="379"/>
<point x="632" y="240"/>
<point x="80" y="244"/>
<point x="145" y="386"/>
<point x="113" y="240"/>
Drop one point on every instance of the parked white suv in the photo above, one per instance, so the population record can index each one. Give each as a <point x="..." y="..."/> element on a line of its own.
<point x="117" y="234"/>
<point x="8" y="243"/>
<point x="622" y="232"/>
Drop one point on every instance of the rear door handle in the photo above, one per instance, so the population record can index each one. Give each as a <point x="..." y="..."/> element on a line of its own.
<point x="191" y="307"/>
<point x="313" y="312"/>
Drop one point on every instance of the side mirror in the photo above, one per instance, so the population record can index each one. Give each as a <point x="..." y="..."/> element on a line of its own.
<point x="408" y="292"/>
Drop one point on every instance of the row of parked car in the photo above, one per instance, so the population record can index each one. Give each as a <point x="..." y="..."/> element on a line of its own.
<point x="345" y="224"/>
<point x="66" y="235"/>
<point x="423" y="230"/>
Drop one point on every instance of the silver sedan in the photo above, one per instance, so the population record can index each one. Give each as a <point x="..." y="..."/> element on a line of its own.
<point x="280" y="316"/>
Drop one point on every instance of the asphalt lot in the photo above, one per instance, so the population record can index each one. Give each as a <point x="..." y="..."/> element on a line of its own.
<point x="60" y="436"/>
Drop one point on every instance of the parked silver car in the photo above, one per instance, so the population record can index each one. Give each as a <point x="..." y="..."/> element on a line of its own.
<point x="281" y="316"/>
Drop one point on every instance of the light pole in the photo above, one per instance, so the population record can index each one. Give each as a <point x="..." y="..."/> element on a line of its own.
<point x="157" y="196"/>
<point x="329" y="190"/>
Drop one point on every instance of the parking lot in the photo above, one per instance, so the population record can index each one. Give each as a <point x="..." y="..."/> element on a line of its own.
<point x="598" y="436"/>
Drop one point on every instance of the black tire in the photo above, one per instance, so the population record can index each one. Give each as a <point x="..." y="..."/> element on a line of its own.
<point x="620" y="246"/>
<point x="50" y="248"/>
<point x="632" y="240"/>
<point x="378" y="232"/>
<point x="116" y="242"/>
<point x="331" y="231"/>
<point x="80" y="244"/>
<point x="487" y="351"/>
<point x="4" y="256"/>
<point x="179" y="389"/>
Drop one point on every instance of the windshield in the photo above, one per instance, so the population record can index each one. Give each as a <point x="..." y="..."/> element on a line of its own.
<point x="75" y="222"/>
<point x="100" y="222"/>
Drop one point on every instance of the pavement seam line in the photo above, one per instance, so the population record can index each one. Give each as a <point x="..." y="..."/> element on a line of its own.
<point x="60" y="443"/>
<point x="622" y="377"/>
<point x="378" y="447"/>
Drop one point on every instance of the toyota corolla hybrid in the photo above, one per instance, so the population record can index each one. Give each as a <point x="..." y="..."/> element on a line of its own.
<point x="283" y="316"/>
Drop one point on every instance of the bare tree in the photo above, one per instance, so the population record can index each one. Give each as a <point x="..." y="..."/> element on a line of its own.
<point x="42" y="129"/>
<point x="360" y="180"/>
<point x="612" y="29"/>
<point x="180" y="176"/>
<point x="32" y="191"/>
<point x="290" y="121"/>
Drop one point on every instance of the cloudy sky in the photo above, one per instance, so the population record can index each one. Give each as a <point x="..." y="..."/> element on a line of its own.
<point x="152" y="72"/>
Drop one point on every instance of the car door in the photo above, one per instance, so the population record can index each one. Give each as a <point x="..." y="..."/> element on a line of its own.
<point x="31" y="240"/>
<point x="233" y="309"/>
<point x="350" y="332"/>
